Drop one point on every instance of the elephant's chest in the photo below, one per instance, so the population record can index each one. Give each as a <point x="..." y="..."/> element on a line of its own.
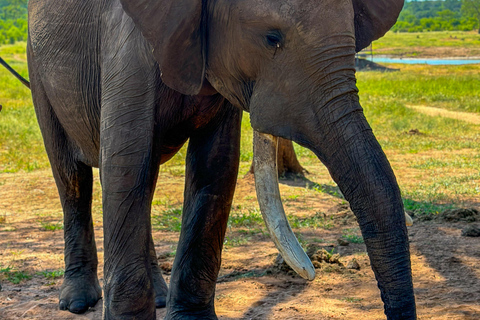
<point x="175" y="126"/>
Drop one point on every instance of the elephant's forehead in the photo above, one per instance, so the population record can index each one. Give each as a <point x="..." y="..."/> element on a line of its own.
<point x="328" y="15"/>
<point x="285" y="9"/>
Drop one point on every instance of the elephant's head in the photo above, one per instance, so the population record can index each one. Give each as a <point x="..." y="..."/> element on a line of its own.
<point x="290" y="63"/>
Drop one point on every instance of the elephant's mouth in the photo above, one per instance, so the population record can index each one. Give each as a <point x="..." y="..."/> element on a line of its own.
<point x="268" y="195"/>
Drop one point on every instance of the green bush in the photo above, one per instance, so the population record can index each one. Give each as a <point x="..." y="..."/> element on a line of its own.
<point x="13" y="21"/>
<point x="418" y="16"/>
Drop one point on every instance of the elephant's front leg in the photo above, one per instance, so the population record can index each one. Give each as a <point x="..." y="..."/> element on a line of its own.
<point x="128" y="172"/>
<point x="128" y="168"/>
<point x="211" y="174"/>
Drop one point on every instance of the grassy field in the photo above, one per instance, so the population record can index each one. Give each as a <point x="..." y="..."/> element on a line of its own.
<point x="399" y="43"/>
<point x="21" y="146"/>
<point x="442" y="145"/>
<point x="429" y="44"/>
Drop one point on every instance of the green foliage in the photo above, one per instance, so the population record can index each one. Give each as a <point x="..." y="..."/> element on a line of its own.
<point x="455" y="90"/>
<point x="250" y="219"/>
<point x="52" y="275"/>
<point x="419" y="208"/>
<point x="230" y="242"/>
<point x="21" y="145"/>
<point x="471" y="8"/>
<point x="14" y="276"/>
<point x="352" y="236"/>
<point x="317" y="221"/>
<point x="13" y="21"/>
<point x="446" y="170"/>
<point x="47" y="226"/>
<point x="418" y="16"/>
<point x="168" y="220"/>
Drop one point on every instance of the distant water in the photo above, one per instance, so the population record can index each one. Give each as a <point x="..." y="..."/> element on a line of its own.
<point x="423" y="61"/>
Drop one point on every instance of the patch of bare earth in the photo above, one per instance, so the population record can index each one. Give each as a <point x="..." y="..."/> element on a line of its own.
<point x="434" y="52"/>
<point x="445" y="264"/>
<point x="457" y="115"/>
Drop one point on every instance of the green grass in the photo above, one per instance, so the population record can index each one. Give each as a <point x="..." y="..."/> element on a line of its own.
<point x="450" y="87"/>
<point x="406" y="43"/>
<point x="252" y="219"/>
<point x="384" y="97"/>
<point x="231" y="241"/>
<point x="352" y="235"/>
<point x="49" y="226"/>
<point x="249" y="219"/>
<point x="21" y="145"/>
<point x="168" y="220"/>
<point x="470" y="161"/>
<point x="424" y="208"/>
<point x="14" y="276"/>
<point x="52" y="275"/>
<point x="317" y="221"/>
<point x="450" y="173"/>
<point x="447" y="188"/>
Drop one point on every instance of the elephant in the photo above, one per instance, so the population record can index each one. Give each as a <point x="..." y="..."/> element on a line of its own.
<point x="123" y="84"/>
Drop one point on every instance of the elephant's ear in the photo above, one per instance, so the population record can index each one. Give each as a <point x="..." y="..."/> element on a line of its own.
<point x="175" y="30"/>
<point x="373" y="18"/>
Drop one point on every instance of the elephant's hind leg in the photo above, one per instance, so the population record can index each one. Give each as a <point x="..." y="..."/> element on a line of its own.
<point x="210" y="178"/>
<point x="159" y="283"/>
<point x="80" y="289"/>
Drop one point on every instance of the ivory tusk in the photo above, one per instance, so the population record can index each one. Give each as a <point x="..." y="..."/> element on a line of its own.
<point x="268" y="195"/>
<point x="408" y="220"/>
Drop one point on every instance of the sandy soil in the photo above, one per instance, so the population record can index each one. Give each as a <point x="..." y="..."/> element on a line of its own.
<point x="432" y="111"/>
<point x="445" y="264"/>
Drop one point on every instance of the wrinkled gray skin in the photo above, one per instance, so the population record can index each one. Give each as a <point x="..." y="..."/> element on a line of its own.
<point x="101" y="100"/>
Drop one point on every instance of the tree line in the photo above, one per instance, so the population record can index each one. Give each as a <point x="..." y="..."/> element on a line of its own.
<point x="446" y="15"/>
<point x="13" y="21"/>
<point x="417" y="16"/>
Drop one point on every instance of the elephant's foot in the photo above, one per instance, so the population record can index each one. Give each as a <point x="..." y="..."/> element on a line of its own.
<point x="79" y="293"/>
<point x="161" y="289"/>
<point x="129" y="295"/>
<point x="160" y="300"/>
<point x="191" y="315"/>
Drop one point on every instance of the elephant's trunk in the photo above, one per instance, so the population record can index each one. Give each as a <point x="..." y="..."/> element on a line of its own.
<point x="340" y="136"/>
<point x="268" y="194"/>
<point x="347" y="146"/>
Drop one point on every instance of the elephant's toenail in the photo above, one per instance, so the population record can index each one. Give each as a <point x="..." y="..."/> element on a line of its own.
<point x="78" y="306"/>
<point x="63" y="305"/>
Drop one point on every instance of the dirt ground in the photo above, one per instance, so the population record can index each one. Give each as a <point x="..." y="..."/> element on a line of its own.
<point x="445" y="264"/>
<point x="432" y="111"/>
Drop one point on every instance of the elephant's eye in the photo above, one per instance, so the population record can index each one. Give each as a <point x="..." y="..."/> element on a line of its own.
<point x="274" y="39"/>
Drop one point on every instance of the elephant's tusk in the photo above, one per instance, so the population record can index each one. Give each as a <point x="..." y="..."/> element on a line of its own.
<point x="268" y="194"/>
<point x="408" y="220"/>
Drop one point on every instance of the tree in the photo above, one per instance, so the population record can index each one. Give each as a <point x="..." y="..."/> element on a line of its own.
<point x="472" y="8"/>
<point x="13" y="21"/>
